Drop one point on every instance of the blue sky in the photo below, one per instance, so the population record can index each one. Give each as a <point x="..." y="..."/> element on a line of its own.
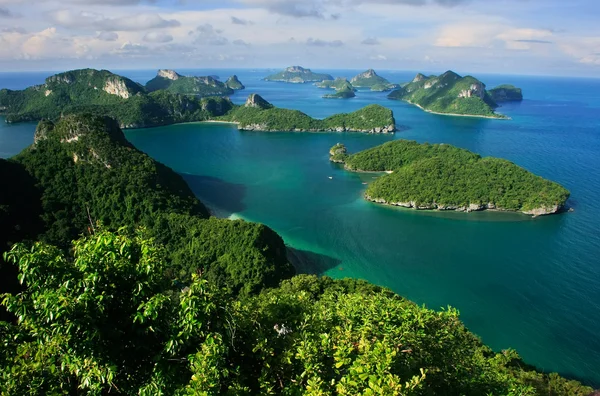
<point x="545" y="37"/>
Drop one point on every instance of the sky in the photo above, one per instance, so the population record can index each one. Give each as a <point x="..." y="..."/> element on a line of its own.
<point x="532" y="37"/>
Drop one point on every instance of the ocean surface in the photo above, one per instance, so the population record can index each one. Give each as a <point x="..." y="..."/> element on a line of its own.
<point x="522" y="283"/>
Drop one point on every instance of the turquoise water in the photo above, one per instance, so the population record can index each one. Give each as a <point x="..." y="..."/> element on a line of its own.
<point x="529" y="284"/>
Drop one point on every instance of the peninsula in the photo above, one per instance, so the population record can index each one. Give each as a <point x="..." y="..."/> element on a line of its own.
<point x="298" y="75"/>
<point x="449" y="94"/>
<point x="373" y="81"/>
<point x="173" y="82"/>
<point x="259" y="115"/>
<point x="444" y="177"/>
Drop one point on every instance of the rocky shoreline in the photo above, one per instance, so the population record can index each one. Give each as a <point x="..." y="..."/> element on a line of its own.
<point x="543" y="211"/>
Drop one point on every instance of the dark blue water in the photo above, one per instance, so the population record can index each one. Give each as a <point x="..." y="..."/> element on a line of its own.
<point x="529" y="284"/>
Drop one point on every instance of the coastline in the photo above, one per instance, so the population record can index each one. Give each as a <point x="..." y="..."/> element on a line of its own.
<point x="500" y="116"/>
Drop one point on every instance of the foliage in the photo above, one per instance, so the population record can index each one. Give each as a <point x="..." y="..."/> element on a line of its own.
<point x="338" y="84"/>
<point x="106" y="320"/>
<point x="445" y="175"/>
<point x="82" y="91"/>
<point x="197" y="86"/>
<point x="88" y="172"/>
<point x="341" y="94"/>
<point x="448" y="93"/>
<point x="297" y="74"/>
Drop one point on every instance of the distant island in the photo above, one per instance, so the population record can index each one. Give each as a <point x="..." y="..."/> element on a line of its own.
<point x="298" y="75"/>
<point x="173" y="82"/>
<point x="444" y="177"/>
<point x="259" y="115"/>
<point x="372" y="80"/>
<point x="103" y="93"/>
<point x="506" y="93"/>
<point x="343" y="88"/>
<point x="451" y="94"/>
<point x="234" y="83"/>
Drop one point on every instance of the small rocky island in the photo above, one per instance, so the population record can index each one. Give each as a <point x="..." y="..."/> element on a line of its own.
<point x="444" y="177"/>
<point x="373" y="81"/>
<point x="298" y="75"/>
<point x="452" y="94"/>
<point x="171" y="81"/>
<point x="259" y="115"/>
<point x="506" y="93"/>
<point x="234" y="83"/>
<point x="343" y="88"/>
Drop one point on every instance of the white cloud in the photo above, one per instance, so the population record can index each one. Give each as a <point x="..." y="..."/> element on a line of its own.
<point x="96" y="21"/>
<point x="157" y="37"/>
<point x="107" y="36"/>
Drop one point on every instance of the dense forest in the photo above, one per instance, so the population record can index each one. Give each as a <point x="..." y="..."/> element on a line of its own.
<point x="125" y="285"/>
<point x="442" y="176"/>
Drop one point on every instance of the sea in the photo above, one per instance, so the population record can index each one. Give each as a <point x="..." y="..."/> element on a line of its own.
<point x="531" y="284"/>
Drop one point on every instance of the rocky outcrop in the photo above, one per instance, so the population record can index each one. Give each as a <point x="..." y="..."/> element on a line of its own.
<point x="464" y="208"/>
<point x="506" y="93"/>
<point x="368" y="74"/>
<point x="476" y="90"/>
<point x="419" y="77"/>
<point x="255" y="100"/>
<point x="265" y="128"/>
<point x="116" y="86"/>
<point x="169" y="74"/>
<point x="234" y="83"/>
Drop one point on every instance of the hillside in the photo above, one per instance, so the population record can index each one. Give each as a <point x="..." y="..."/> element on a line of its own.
<point x="372" y="80"/>
<point x="106" y="94"/>
<point x="259" y="115"/>
<point x="173" y="82"/>
<point x="444" y="177"/>
<point x="86" y="171"/>
<point x="343" y="88"/>
<point x="234" y="83"/>
<point x="448" y="93"/>
<point x="298" y="75"/>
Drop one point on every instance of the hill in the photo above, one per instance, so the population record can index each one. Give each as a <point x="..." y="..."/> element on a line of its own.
<point x="234" y="83"/>
<point x="259" y="115"/>
<point x="450" y="94"/>
<point x="298" y="75"/>
<point x="106" y="94"/>
<point x="372" y="80"/>
<point x="343" y="88"/>
<point x="173" y="82"/>
<point x="444" y="177"/>
<point x="506" y="93"/>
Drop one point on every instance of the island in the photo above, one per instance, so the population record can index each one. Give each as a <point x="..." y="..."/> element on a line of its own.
<point x="298" y="75"/>
<point x="234" y="83"/>
<point x="343" y="88"/>
<point x="450" y="94"/>
<point x="173" y="82"/>
<point x="506" y="93"/>
<point x="259" y="115"/>
<point x="444" y="177"/>
<point x="373" y="81"/>
<point x="103" y="93"/>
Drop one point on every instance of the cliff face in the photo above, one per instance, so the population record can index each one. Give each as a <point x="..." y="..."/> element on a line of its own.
<point x="116" y="86"/>
<point x="168" y="74"/>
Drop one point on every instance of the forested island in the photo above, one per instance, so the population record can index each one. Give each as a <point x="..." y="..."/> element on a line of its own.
<point x="298" y="75"/>
<point x="174" y="82"/>
<point x="103" y="93"/>
<point x="373" y="81"/>
<point x="259" y="115"/>
<point x="343" y="88"/>
<point x="506" y="93"/>
<point x="154" y="297"/>
<point x="452" y="94"/>
<point x="444" y="177"/>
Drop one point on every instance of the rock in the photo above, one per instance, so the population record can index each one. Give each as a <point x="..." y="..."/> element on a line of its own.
<point x="255" y="100"/>
<point x="168" y="74"/>
<point x="543" y="211"/>
<point x="116" y="86"/>
<point x="419" y="77"/>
